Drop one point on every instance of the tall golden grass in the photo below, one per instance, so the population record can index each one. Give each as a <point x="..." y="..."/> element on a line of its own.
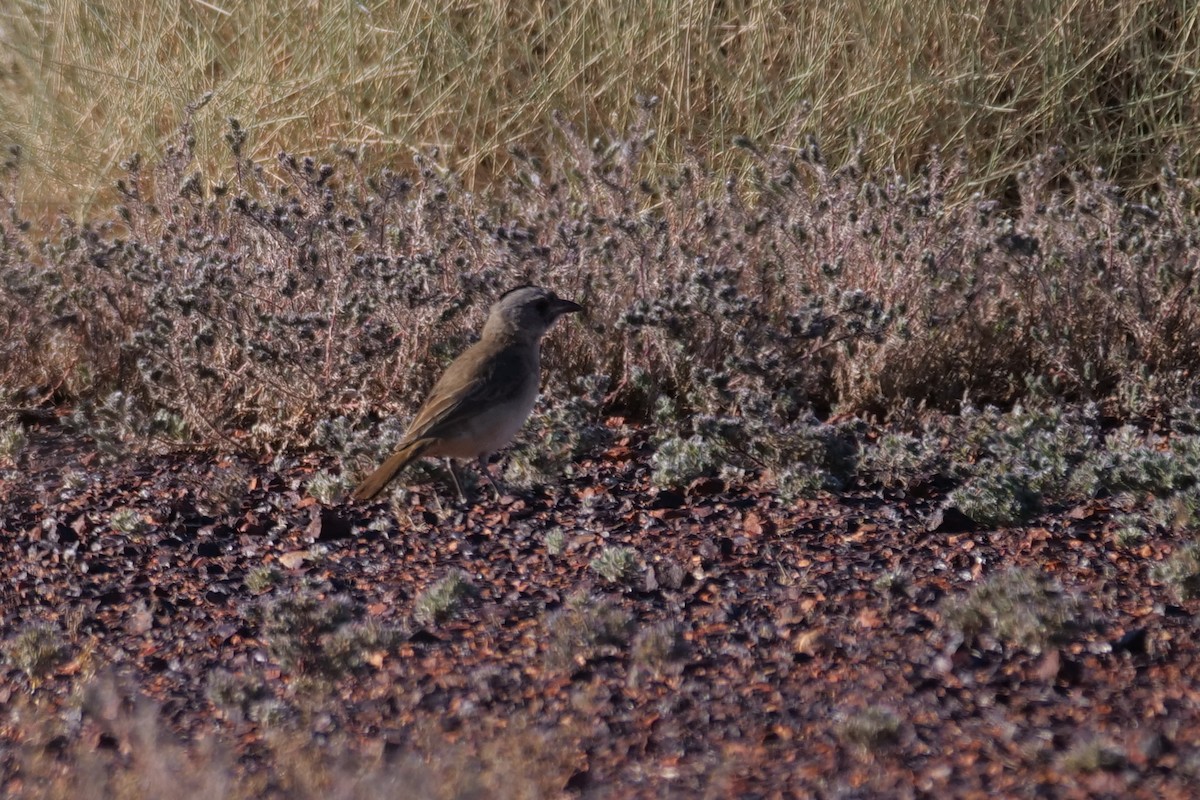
<point x="84" y="83"/>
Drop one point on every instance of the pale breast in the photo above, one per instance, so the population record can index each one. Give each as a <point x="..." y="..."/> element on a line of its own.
<point x="491" y="428"/>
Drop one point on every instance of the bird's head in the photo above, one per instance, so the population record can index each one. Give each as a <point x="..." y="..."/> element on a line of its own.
<point x="526" y="312"/>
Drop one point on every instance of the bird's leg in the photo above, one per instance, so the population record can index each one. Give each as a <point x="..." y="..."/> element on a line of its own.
<point x="454" y="477"/>
<point x="487" y="473"/>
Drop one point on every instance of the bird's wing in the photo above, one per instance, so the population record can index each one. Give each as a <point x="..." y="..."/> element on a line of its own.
<point x="481" y="377"/>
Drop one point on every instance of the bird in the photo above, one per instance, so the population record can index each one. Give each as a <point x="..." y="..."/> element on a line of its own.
<point x="485" y="395"/>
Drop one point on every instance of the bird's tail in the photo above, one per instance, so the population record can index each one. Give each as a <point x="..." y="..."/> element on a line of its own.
<point x="374" y="483"/>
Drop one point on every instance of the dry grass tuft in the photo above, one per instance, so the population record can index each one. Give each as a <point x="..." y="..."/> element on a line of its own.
<point x="288" y="307"/>
<point x="82" y="85"/>
<point x="122" y="749"/>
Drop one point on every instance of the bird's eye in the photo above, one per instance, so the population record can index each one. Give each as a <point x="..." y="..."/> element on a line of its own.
<point x="542" y="306"/>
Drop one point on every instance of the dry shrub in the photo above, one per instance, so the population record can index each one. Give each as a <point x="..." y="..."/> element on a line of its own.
<point x="120" y="746"/>
<point x="300" y="299"/>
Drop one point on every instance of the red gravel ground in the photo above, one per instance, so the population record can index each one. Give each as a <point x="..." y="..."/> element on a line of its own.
<point x="790" y="642"/>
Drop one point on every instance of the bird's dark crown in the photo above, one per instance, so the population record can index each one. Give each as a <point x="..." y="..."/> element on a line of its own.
<point x="517" y="289"/>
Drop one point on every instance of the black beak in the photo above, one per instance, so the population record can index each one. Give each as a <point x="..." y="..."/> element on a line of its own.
<point x="559" y="307"/>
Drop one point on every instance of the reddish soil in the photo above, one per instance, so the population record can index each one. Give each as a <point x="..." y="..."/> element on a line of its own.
<point x="788" y="633"/>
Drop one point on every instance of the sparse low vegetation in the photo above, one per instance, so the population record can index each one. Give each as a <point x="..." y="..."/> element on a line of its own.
<point x="870" y="729"/>
<point x="126" y="520"/>
<point x="514" y="761"/>
<point x="1018" y="607"/>
<point x="36" y="650"/>
<point x="555" y="541"/>
<point x="263" y="578"/>
<point x="12" y="441"/>
<point x="616" y="564"/>
<point x="678" y="461"/>
<point x="1094" y="755"/>
<point x="239" y="696"/>
<point x="585" y="627"/>
<point x="1130" y="530"/>
<point x="221" y="494"/>
<point x="893" y="583"/>
<point x="555" y="438"/>
<point x="888" y="283"/>
<point x="328" y="489"/>
<point x="443" y="599"/>
<point x="300" y="630"/>
<point x="1181" y="572"/>
<point x="657" y="649"/>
